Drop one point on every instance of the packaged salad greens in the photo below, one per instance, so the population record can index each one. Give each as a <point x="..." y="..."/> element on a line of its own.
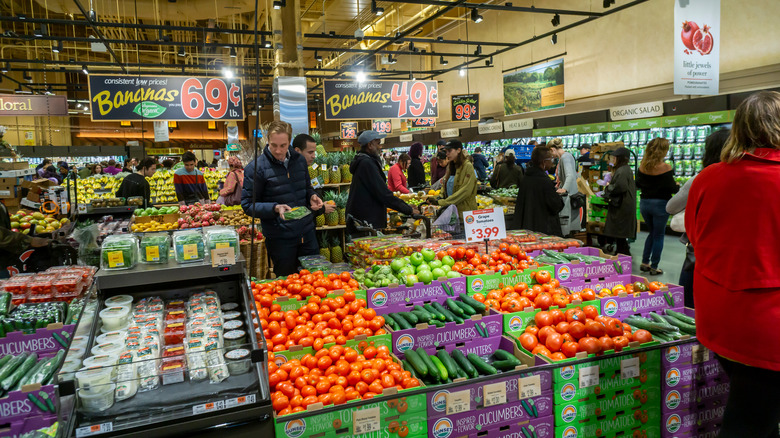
<point x="119" y="251"/>
<point x="188" y="246"/>
<point x="154" y="248"/>
<point x="296" y="213"/>
<point x="221" y="237"/>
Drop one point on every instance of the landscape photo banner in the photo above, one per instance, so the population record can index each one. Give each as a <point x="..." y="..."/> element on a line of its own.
<point x="180" y="98"/>
<point x="375" y="99"/>
<point x="696" y="46"/>
<point x="536" y="88"/>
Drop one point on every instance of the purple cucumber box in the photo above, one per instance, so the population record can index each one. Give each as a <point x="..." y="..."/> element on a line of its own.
<point x="693" y="423"/>
<point x="17" y="405"/>
<point x="687" y="398"/>
<point x="686" y="375"/>
<point x="476" y="327"/>
<point x="576" y="270"/>
<point x="21" y="426"/>
<point x="45" y="341"/>
<point x="539" y="427"/>
<point x="668" y="297"/>
<point x="394" y="299"/>
<point x="689" y="353"/>
<point x="471" y="422"/>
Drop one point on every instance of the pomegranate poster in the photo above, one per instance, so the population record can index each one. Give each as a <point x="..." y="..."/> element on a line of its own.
<point x="696" y="46"/>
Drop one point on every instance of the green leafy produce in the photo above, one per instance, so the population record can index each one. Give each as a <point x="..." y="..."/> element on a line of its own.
<point x="119" y="251"/>
<point x="221" y="237"/>
<point x="154" y="248"/>
<point x="297" y="213"/>
<point x="188" y="246"/>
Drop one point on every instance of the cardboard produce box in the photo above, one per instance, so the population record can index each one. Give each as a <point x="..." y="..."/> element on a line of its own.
<point x="36" y="188"/>
<point x="14" y="165"/>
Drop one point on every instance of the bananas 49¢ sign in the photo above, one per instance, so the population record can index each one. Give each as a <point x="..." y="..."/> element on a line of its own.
<point x="353" y="100"/>
<point x="182" y="98"/>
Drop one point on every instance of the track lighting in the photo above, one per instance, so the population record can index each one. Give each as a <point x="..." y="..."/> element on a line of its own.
<point x="376" y="10"/>
<point x="279" y="4"/>
<point x="478" y="51"/>
<point x="265" y="43"/>
<point x="84" y="69"/>
<point x="391" y="60"/>
<point x="554" y="39"/>
<point x="489" y="62"/>
<point x="475" y="17"/>
<point x="57" y="48"/>
<point x="360" y="76"/>
<point x="181" y="52"/>
<point x="26" y="76"/>
<point x="227" y="72"/>
<point x="411" y="46"/>
<point x="462" y="71"/>
<point x="443" y="61"/>
<point x="233" y="52"/>
<point x="556" y="20"/>
<point x="608" y="3"/>
<point x="317" y="56"/>
<point x="6" y="67"/>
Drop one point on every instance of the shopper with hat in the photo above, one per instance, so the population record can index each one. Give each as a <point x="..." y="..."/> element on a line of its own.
<point x="507" y="173"/>
<point x="369" y="196"/>
<point x="460" y="180"/>
<point x="537" y="205"/>
<point x="621" y="197"/>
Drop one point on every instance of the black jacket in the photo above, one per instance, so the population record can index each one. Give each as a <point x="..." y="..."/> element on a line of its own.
<point x="276" y="184"/>
<point x="135" y="185"/>
<point x="415" y="175"/>
<point x="537" y="204"/>
<point x="369" y="196"/>
<point x="621" y="221"/>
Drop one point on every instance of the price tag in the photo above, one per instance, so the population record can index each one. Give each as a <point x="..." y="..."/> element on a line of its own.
<point x="190" y="251"/>
<point x="82" y="208"/>
<point x="365" y="421"/>
<point x="96" y="429"/>
<point x="223" y="257"/>
<point x="222" y="245"/>
<point x="484" y="224"/>
<point x="240" y="401"/>
<point x="530" y="386"/>
<point x="115" y="259"/>
<point x="699" y="354"/>
<point x="589" y="376"/>
<point x="153" y="253"/>
<point x="458" y="402"/>
<point x="324" y="167"/>
<point x="208" y="407"/>
<point x="495" y="394"/>
<point x="629" y="368"/>
<point x="315" y="182"/>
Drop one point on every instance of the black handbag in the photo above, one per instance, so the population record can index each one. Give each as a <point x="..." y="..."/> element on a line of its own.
<point x="690" y="258"/>
<point x="577" y="200"/>
<point x="615" y="201"/>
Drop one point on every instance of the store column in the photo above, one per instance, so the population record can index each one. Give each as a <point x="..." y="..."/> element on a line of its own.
<point x="290" y="87"/>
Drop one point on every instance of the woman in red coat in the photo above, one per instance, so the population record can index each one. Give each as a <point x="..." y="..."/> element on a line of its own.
<point x="396" y="180"/>
<point x="735" y="234"/>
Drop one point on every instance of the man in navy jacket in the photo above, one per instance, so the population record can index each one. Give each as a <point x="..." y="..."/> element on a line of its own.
<point x="280" y="179"/>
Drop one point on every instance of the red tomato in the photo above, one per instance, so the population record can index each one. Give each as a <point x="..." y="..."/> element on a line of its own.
<point x="643" y="336"/>
<point x="570" y="349"/>
<point x="575" y="314"/>
<point x="614" y="327"/>
<point x="620" y="343"/>
<point x="543" y="319"/>
<point x="543" y="300"/>
<point x="558" y="356"/>
<point x="562" y="327"/>
<point x="554" y="342"/>
<point x="558" y="316"/>
<point x="591" y="311"/>
<point x="528" y="341"/>
<point x="544" y="332"/>
<point x="541" y="350"/>
<point x="577" y="329"/>
<point x="606" y="343"/>
<point x="590" y="345"/>
<point x="543" y="277"/>
<point x="595" y="329"/>
<point x="588" y="294"/>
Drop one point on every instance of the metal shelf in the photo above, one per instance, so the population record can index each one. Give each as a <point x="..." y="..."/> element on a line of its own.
<point x="144" y="274"/>
<point x="334" y="227"/>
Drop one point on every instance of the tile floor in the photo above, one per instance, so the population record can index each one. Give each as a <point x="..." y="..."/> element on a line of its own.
<point x="671" y="258"/>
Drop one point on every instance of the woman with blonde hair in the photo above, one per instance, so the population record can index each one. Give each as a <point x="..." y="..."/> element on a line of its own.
<point x="731" y="220"/>
<point x="655" y="180"/>
<point x="460" y="180"/>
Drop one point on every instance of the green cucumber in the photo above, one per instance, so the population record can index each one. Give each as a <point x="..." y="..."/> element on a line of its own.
<point x="46" y="372"/>
<point x="446" y="360"/>
<point x="464" y="363"/>
<point x="391" y="322"/>
<point x="437" y="323"/>
<point x="5" y="359"/>
<point x="476" y="305"/>
<point x="10" y="381"/>
<point x="432" y="310"/>
<point x="408" y="367"/>
<point x="443" y="373"/>
<point x="685" y="328"/>
<point x="410" y="318"/>
<point x="643" y="323"/>
<point x="433" y="371"/>
<point x="504" y="365"/>
<point x="27" y="378"/>
<point x="454" y="308"/>
<point x="658" y="319"/>
<point x="481" y="366"/>
<point x="447" y="315"/>
<point x="468" y="310"/>
<point x="11" y="365"/>
<point x="420" y="368"/>
<point x="420" y="309"/>
<point x="505" y="355"/>
<point x="401" y="321"/>
<point x="422" y="317"/>
<point x="681" y="316"/>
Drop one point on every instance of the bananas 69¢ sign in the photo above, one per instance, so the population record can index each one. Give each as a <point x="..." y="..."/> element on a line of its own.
<point x="353" y="100"/>
<point x="182" y="98"/>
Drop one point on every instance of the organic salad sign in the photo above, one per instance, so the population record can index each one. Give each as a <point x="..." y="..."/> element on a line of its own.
<point x="352" y="100"/>
<point x="696" y="46"/>
<point x="485" y="224"/>
<point x="465" y="107"/>
<point x="182" y="98"/>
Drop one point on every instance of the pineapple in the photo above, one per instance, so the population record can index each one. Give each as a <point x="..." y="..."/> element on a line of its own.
<point x="320" y="149"/>
<point x="341" y="207"/>
<point x="323" y="174"/>
<point x="346" y="160"/>
<point x="334" y="173"/>
<point x="319" y="220"/>
<point x="324" y="248"/>
<point x="332" y="218"/>
<point x="313" y="170"/>
<point x="336" y="253"/>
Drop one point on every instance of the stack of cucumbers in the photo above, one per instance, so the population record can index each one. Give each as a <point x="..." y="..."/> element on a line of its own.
<point x="667" y="327"/>
<point x="26" y="369"/>
<point x="437" y="314"/>
<point x="554" y="257"/>
<point x="445" y="367"/>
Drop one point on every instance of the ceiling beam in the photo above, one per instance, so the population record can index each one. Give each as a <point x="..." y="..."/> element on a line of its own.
<point x="439" y="40"/>
<point x="507" y="7"/>
<point x="99" y="34"/>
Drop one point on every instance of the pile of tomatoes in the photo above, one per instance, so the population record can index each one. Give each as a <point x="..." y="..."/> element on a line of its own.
<point x="319" y="322"/>
<point x="506" y="258"/>
<point x="302" y="285"/>
<point x="546" y="293"/>
<point x="335" y="376"/>
<point x="651" y="288"/>
<point x="559" y="334"/>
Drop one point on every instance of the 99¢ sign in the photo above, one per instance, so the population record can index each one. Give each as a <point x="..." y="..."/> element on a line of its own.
<point x="465" y="107"/>
<point x="119" y="97"/>
<point x="485" y="224"/>
<point x="351" y="100"/>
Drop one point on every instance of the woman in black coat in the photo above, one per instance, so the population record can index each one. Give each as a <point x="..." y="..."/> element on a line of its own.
<point x="538" y="204"/>
<point x="416" y="173"/>
<point x="621" y="193"/>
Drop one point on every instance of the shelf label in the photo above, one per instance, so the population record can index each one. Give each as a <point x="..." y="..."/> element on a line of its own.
<point x="223" y="257"/>
<point x="629" y="368"/>
<point x="495" y="394"/>
<point x="222" y="245"/>
<point x="365" y="421"/>
<point x="208" y="407"/>
<point x="589" y="376"/>
<point x="530" y="386"/>
<point x="115" y="259"/>
<point x="699" y="354"/>
<point x="458" y="402"/>
<point x="240" y="401"/>
<point x="96" y="429"/>
<point x="153" y="253"/>
<point x="484" y="224"/>
<point x="190" y="251"/>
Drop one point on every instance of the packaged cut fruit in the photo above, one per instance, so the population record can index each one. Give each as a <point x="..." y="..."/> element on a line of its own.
<point x="119" y="251"/>
<point x="221" y="237"/>
<point x="296" y="213"/>
<point x="188" y="246"/>
<point x="135" y="200"/>
<point x="154" y="248"/>
<point x="17" y="287"/>
<point x="67" y="287"/>
<point x="39" y="289"/>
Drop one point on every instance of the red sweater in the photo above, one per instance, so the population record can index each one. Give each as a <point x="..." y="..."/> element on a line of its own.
<point x="732" y="221"/>
<point x="396" y="180"/>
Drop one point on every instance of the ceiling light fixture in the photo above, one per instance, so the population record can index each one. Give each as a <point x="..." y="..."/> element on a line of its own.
<point x="6" y="67"/>
<point x="556" y="20"/>
<point x="265" y="43"/>
<point x="26" y="76"/>
<point x="554" y="39"/>
<point x="462" y="71"/>
<point x="608" y="3"/>
<point x="411" y="46"/>
<point x="57" y="48"/>
<point x="84" y="69"/>
<point x="227" y="72"/>
<point x="181" y="52"/>
<point x="443" y="61"/>
<point x="475" y="17"/>
<point x="317" y="56"/>
<point x="233" y="53"/>
<point x="375" y="9"/>
<point x="478" y="51"/>
<point x="391" y="60"/>
<point x="279" y="4"/>
<point x="489" y="62"/>
<point x="360" y="76"/>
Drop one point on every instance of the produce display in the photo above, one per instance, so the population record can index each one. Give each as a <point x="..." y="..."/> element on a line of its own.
<point x="484" y="202"/>
<point x="153" y="226"/>
<point x="153" y="248"/>
<point x="188" y="246"/>
<point x="419" y="267"/>
<point x="467" y="261"/>
<point x="221" y="237"/>
<point x="119" y="251"/>
<point x="153" y="211"/>
<point x="35" y="222"/>
<point x="197" y="215"/>
<point x="302" y="285"/>
<point x="26" y="369"/>
<point x="510" y="192"/>
<point x="444" y="367"/>
<point x="27" y="317"/>
<point x="433" y="313"/>
<point x="98" y="188"/>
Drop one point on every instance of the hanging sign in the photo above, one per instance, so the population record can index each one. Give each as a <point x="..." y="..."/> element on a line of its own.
<point x="696" y="46"/>
<point x="638" y="111"/>
<point x="124" y="97"/>
<point x="536" y="88"/>
<point x="160" y="131"/>
<point x="465" y="107"/>
<point x="518" y="124"/>
<point x="450" y="133"/>
<point x="16" y="105"/>
<point x="423" y="123"/>
<point x="490" y="128"/>
<point x="406" y="138"/>
<point x="372" y="99"/>
<point x="349" y="130"/>
<point x="382" y="126"/>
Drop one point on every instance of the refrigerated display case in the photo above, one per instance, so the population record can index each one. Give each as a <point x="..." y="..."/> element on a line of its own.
<point x="188" y="378"/>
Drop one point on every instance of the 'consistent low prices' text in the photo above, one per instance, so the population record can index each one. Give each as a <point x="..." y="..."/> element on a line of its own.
<point x="484" y="224"/>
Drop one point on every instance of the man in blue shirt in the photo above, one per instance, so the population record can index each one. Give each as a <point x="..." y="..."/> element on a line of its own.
<point x="480" y="164"/>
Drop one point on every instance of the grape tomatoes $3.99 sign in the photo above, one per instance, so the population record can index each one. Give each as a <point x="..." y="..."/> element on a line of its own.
<point x="485" y="224"/>
<point x="352" y="100"/>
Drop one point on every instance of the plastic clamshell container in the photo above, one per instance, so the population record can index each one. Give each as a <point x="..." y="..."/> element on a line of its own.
<point x="40" y="289"/>
<point x="221" y="237"/>
<point x="17" y="287"/>
<point x="119" y="300"/>
<point x="188" y="246"/>
<point x="174" y="333"/>
<point x="93" y="378"/>
<point x="153" y="248"/>
<point x="115" y="318"/>
<point x="67" y="287"/>
<point x="97" y="400"/>
<point x="119" y="251"/>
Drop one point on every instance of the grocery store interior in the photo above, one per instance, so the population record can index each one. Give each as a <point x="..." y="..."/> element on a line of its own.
<point x="375" y="219"/>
